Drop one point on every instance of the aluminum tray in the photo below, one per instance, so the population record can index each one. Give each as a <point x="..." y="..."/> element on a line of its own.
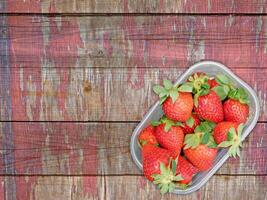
<point x="155" y="113"/>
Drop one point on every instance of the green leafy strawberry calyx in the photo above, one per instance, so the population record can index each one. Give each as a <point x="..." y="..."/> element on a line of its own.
<point x="200" y="85"/>
<point x="239" y="94"/>
<point x="205" y="126"/>
<point x="224" y="87"/>
<point x="170" y="90"/>
<point x="233" y="141"/>
<point x="167" y="177"/>
<point x="202" y="135"/>
<point x="168" y="123"/>
<point x="190" y="122"/>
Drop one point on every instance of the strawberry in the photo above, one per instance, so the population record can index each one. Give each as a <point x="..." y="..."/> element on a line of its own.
<point x="186" y="169"/>
<point x="147" y="136"/>
<point x="201" y="157"/>
<point x="170" y="136"/>
<point x="235" y="111"/>
<point x="212" y="83"/>
<point x="200" y="147"/>
<point x="152" y="156"/>
<point x="221" y="130"/>
<point x="181" y="109"/>
<point x="209" y="107"/>
<point x="207" y="103"/>
<point x="177" y="102"/>
<point x="228" y="134"/>
<point x="191" y="124"/>
<point x="156" y="167"/>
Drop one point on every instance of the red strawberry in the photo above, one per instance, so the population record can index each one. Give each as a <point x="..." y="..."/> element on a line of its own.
<point x="212" y="83"/>
<point x="201" y="157"/>
<point x="147" y="136"/>
<point x="221" y="130"/>
<point x="228" y="134"/>
<point x="191" y="124"/>
<point x="156" y="167"/>
<point x="200" y="148"/>
<point x="177" y="101"/>
<point x="152" y="156"/>
<point x="181" y="109"/>
<point x="186" y="169"/>
<point x="209" y="107"/>
<point x="235" y="111"/>
<point x="170" y="137"/>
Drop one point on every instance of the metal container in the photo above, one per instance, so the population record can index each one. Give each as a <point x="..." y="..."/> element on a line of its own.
<point x="211" y="68"/>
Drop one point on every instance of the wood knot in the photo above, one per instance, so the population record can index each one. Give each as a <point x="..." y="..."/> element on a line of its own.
<point x="87" y="87"/>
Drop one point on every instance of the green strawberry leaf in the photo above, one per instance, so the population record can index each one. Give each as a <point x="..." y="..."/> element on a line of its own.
<point x="155" y="123"/>
<point x="205" y="138"/>
<point x="165" y="180"/>
<point x="167" y="84"/>
<point x="231" y="134"/>
<point x="186" y="87"/>
<point x="220" y="92"/>
<point x="205" y="86"/>
<point x="205" y="126"/>
<point x="167" y="127"/>
<point x="204" y="91"/>
<point x="225" y="144"/>
<point x="164" y="93"/>
<point x="226" y="89"/>
<point x="222" y="79"/>
<point x="196" y="100"/>
<point x="174" y="166"/>
<point x="211" y="143"/>
<point x="191" y="141"/>
<point x="179" y="124"/>
<point x="239" y="94"/>
<point x="173" y="95"/>
<point x="158" y="89"/>
<point x="239" y="130"/>
<point x="190" y="122"/>
<point x="178" y="178"/>
<point x="162" y="99"/>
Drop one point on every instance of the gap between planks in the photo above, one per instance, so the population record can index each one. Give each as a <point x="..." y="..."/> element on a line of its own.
<point x="91" y="121"/>
<point x="114" y="67"/>
<point x="112" y="175"/>
<point x="129" y="14"/>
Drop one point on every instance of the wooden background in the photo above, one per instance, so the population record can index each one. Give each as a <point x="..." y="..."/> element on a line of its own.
<point x="76" y="76"/>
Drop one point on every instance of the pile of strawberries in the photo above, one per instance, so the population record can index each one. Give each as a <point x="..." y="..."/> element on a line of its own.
<point x="200" y="116"/>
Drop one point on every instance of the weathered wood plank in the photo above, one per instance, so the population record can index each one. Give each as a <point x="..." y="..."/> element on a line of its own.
<point x="135" y="187"/>
<point x="6" y="141"/>
<point x="101" y="148"/>
<point x="136" y="41"/>
<point x="136" y="6"/>
<point x="81" y="94"/>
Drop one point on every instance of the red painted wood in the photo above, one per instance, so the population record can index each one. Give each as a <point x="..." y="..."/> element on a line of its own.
<point x="136" y="41"/>
<point x="2" y="188"/>
<point x="102" y="148"/>
<point x="140" y="6"/>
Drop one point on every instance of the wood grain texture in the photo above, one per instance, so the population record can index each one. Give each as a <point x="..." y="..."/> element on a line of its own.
<point x="137" y="6"/>
<point x="136" y="41"/>
<point x="106" y="94"/>
<point x="134" y="187"/>
<point x="101" y="148"/>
